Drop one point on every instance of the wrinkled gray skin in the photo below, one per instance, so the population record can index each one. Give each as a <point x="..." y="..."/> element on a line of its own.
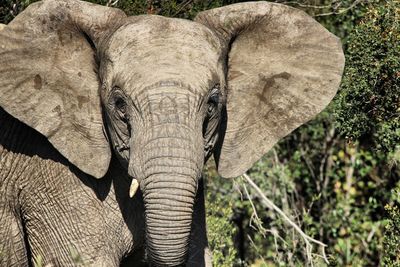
<point x="50" y="208"/>
<point x="77" y="79"/>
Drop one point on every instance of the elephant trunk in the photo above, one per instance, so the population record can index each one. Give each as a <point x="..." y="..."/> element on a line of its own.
<point x="171" y="169"/>
<point x="169" y="209"/>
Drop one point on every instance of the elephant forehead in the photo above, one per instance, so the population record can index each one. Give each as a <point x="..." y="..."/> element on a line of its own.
<point x="157" y="48"/>
<point x="147" y="31"/>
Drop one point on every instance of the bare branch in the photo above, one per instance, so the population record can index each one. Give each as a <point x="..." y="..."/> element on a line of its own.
<point x="257" y="250"/>
<point x="257" y="219"/>
<point x="335" y="6"/>
<point x="307" y="239"/>
<point x="183" y="5"/>
<point x="305" y="5"/>
<point x="341" y="11"/>
<point x="112" y="3"/>
<point x="236" y="186"/>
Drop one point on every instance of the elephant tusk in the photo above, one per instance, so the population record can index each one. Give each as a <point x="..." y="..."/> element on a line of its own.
<point x="2" y="26"/>
<point x="133" y="188"/>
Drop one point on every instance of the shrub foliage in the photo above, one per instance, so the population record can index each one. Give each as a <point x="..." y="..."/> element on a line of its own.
<point x="337" y="176"/>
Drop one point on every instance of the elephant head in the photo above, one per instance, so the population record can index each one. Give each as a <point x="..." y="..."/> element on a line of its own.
<point x="165" y="94"/>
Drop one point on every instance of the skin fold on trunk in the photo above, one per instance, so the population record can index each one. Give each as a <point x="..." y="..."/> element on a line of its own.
<point x="171" y="167"/>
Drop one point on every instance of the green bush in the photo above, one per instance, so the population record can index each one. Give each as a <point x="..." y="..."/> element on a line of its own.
<point x="220" y="230"/>
<point x="391" y="242"/>
<point x="369" y="102"/>
<point x="9" y="9"/>
<point x="335" y="176"/>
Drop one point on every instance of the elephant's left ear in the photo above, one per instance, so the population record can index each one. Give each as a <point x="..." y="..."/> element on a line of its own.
<point x="48" y="76"/>
<point x="283" y="69"/>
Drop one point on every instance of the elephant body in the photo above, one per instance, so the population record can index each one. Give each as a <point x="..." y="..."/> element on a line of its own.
<point x="53" y="212"/>
<point x="106" y="122"/>
<point x="49" y="208"/>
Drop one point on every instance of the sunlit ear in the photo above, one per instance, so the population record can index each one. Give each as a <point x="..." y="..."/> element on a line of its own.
<point x="283" y="69"/>
<point x="48" y="76"/>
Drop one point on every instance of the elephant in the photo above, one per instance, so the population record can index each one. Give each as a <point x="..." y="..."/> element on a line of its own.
<point x="106" y="122"/>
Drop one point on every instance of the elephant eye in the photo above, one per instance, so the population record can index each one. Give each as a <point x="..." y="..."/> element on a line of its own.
<point x="210" y="109"/>
<point x="213" y="101"/>
<point x="122" y="111"/>
<point x="120" y="104"/>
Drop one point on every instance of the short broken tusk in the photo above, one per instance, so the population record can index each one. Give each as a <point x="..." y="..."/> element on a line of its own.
<point x="2" y="26"/>
<point x="134" y="187"/>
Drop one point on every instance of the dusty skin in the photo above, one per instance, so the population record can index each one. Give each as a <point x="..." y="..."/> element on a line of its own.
<point x="106" y="122"/>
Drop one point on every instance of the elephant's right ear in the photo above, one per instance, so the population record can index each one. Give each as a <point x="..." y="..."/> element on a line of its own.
<point x="283" y="68"/>
<point x="48" y="76"/>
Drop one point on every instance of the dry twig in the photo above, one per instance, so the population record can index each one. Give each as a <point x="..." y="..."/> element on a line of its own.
<point x="307" y="239"/>
<point x="341" y="11"/>
<point x="335" y="6"/>
<point x="254" y="216"/>
<point x="183" y="5"/>
<point x="112" y="3"/>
